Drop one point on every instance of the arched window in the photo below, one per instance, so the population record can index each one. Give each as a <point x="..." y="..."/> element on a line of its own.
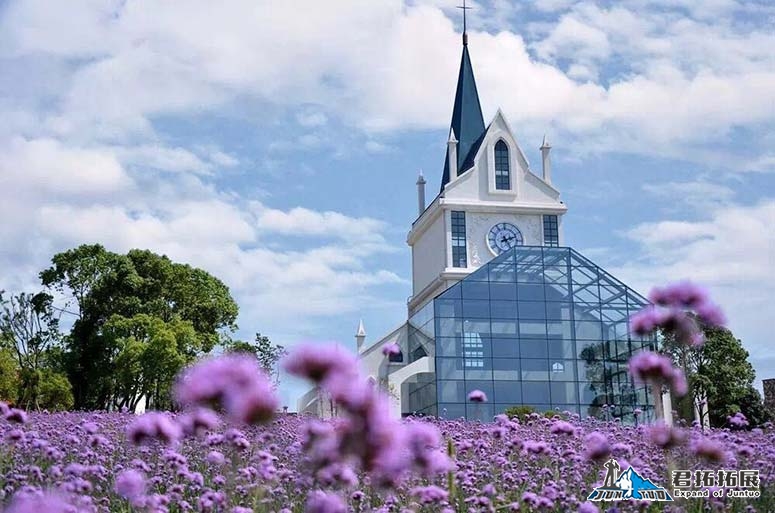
<point x="502" y="173"/>
<point x="396" y="358"/>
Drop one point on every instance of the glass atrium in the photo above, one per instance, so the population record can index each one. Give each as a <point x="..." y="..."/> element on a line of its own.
<point x="537" y="326"/>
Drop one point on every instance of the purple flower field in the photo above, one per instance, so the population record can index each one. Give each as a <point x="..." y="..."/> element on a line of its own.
<point x="87" y="461"/>
<point x="246" y="458"/>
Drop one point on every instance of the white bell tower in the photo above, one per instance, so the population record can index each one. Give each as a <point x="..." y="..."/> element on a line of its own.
<point x="490" y="200"/>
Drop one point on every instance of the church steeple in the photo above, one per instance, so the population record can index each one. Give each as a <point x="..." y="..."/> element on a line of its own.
<point x="467" y="121"/>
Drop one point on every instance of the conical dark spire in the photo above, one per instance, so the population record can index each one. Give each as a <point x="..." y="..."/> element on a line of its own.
<point x="467" y="120"/>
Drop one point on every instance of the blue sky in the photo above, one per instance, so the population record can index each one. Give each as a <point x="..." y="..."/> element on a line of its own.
<point x="276" y="144"/>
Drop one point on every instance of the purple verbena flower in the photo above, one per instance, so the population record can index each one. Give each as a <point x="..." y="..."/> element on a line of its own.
<point x="652" y="368"/>
<point x="596" y="446"/>
<point x="738" y="420"/>
<point x="154" y="425"/>
<point x="430" y="494"/>
<point x="322" y="502"/>
<point x="130" y="484"/>
<point x="391" y="349"/>
<point x="319" y="362"/>
<point x="38" y="502"/>
<point x="477" y="396"/>
<point x="235" y="382"/>
<point x="16" y="415"/>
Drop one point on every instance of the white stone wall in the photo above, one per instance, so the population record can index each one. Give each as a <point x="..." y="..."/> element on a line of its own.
<point x="429" y="256"/>
<point x="478" y="226"/>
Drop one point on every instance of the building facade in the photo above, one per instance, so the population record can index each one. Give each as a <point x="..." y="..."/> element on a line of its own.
<point x="499" y="303"/>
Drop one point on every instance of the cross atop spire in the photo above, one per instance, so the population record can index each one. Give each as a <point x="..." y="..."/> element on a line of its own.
<point x="465" y="34"/>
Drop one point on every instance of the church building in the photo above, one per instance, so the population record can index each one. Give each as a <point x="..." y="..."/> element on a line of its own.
<point x="499" y="303"/>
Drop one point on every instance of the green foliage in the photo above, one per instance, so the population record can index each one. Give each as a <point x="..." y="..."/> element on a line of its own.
<point x="9" y="376"/>
<point x="133" y="310"/>
<point x="28" y="330"/>
<point x="267" y="353"/>
<point x="44" y="389"/>
<point x="149" y="353"/>
<point x="519" y="412"/>
<point x="718" y="371"/>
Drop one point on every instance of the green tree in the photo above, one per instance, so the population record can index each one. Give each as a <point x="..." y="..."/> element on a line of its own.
<point x="267" y="353"/>
<point x="99" y="285"/>
<point x="719" y="375"/>
<point x="28" y="329"/>
<point x="150" y="352"/>
<point x="9" y="376"/>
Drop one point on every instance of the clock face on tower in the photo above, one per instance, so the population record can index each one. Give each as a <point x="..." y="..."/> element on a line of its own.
<point x="503" y="236"/>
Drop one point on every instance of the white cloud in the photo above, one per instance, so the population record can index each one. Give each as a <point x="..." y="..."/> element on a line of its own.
<point x="697" y="195"/>
<point x="676" y="81"/>
<point x="731" y="252"/>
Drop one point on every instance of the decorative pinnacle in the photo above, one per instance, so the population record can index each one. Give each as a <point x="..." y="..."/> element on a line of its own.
<point x="545" y="144"/>
<point x="361" y="330"/>
<point x="421" y="179"/>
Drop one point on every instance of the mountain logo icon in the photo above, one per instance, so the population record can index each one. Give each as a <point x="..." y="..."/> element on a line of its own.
<point x="627" y="484"/>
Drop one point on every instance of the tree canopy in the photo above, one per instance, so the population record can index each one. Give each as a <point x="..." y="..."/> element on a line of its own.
<point x="139" y="318"/>
<point x="719" y="375"/>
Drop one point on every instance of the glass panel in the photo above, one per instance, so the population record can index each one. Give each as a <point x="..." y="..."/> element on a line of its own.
<point x="509" y="392"/>
<point x="532" y="328"/>
<point x="504" y="291"/>
<point x="589" y="330"/>
<point x="593" y="393"/>
<point x="475" y="290"/>
<point x="533" y="348"/>
<point x="560" y="329"/>
<point x="530" y="274"/>
<point x="532" y="310"/>
<point x="449" y="308"/>
<point x="586" y="311"/>
<point x="452" y="411"/>
<point x="558" y="292"/>
<point x="591" y="370"/>
<point x="504" y="328"/>
<point x="535" y="370"/>
<point x="458" y="220"/>
<point x="450" y="368"/>
<point x="502" y="174"/>
<point x="480" y="327"/>
<point x="503" y="272"/>
<point x="503" y="309"/>
<point x="529" y="256"/>
<point x="505" y="348"/>
<point x="556" y="257"/>
<point x="562" y="370"/>
<point x="536" y="393"/>
<point x="483" y="412"/>
<point x="506" y="369"/>
<point x="450" y="327"/>
<point x="479" y="374"/>
<point x="559" y="311"/>
<point x="447" y="346"/>
<point x="484" y="386"/>
<point x="452" y="391"/>
<point x="480" y="274"/>
<point x="476" y="309"/>
<point x="561" y="348"/>
<point x="564" y="393"/>
<point x="530" y="292"/>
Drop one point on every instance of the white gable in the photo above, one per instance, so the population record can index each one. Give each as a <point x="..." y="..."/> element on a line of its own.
<point x="478" y="183"/>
